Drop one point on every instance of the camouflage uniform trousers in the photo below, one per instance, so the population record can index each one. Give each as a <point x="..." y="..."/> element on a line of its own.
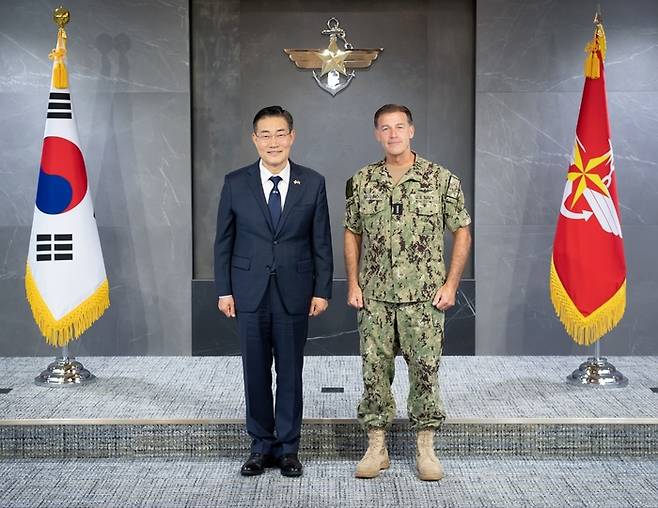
<point x="415" y="330"/>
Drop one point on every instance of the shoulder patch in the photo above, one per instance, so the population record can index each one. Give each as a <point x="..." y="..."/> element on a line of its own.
<point x="452" y="190"/>
<point x="349" y="188"/>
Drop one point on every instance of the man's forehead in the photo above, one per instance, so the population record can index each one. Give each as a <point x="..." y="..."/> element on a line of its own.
<point x="393" y="118"/>
<point x="272" y="123"/>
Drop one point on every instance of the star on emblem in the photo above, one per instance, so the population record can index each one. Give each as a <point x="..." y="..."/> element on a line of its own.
<point x="591" y="178"/>
<point x="333" y="59"/>
<point x="584" y="174"/>
<point x="334" y="64"/>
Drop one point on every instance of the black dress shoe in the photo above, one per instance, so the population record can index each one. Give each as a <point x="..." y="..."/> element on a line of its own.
<point x="256" y="464"/>
<point x="290" y="465"/>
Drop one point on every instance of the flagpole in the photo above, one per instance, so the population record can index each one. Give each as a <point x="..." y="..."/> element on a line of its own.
<point x="587" y="323"/>
<point x="65" y="370"/>
<point x="598" y="371"/>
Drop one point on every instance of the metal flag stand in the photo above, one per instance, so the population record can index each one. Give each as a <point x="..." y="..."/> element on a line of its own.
<point x="597" y="371"/>
<point x="64" y="371"/>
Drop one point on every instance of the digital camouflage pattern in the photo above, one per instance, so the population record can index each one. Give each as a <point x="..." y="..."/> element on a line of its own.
<point x="416" y="331"/>
<point x="403" y="253"/>
<point x="402" y="266"/>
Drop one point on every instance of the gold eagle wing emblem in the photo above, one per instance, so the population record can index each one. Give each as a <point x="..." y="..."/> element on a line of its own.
<point x="334" y="64"/>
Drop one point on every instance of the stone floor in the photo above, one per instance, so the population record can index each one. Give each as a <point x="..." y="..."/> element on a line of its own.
<point x="163" y="483"/>
<point x="475" y="389"/>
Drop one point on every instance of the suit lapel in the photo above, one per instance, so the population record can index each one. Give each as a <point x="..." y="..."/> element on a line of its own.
<point x="295" y="192"/>
<point x="256" y="187"/>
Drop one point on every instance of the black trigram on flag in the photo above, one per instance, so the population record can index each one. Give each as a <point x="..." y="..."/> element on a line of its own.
<point x="59" y="105"/>
<point x="54" y="247"/>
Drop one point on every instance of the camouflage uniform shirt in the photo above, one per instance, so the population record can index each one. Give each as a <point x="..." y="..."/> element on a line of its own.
<point x="402" y="228"/>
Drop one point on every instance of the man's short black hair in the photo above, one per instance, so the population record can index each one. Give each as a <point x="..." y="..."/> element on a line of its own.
<point x="273" y="111"/>
<point x="393" y="108"/>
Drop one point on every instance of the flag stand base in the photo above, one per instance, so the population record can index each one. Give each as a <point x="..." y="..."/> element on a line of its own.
<point x="64" y="371"/>
<point x="597" y="372"/>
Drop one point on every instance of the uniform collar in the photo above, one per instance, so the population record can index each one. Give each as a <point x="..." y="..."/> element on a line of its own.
<point x="416" y="171"/>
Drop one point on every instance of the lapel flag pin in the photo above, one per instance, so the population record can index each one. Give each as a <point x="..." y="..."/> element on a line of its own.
<point x="296" y="182"/>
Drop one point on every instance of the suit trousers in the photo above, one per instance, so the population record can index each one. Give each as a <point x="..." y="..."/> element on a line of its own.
<point x="271" y="333"/>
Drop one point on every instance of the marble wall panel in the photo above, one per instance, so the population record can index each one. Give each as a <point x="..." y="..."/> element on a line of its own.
<point x="522" y="155"/>
<point x="218" y="128"/>
<point x="518" y="317"/>
<point x="129" y="74"/>
<point x="426" y="64"/>
<point x="124" y="45"/>
<point x="332" y="333"/>
<point x="537" y="45"/>
<point x="528" y="90"/>
<point x="524" y="146"/>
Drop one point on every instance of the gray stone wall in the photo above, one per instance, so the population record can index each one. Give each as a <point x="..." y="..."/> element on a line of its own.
<point x="529" y="82"/>
<point x="129" y="75"/>
<point x="130" y="79"/>
<point x="239" y="67"/>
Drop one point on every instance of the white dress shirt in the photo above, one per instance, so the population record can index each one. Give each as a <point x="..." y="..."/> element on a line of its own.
<point x="268" y="184"/>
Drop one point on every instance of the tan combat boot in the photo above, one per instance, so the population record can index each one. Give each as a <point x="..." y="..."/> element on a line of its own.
<point x="376" y="457"/>
<point x="429" y="467"/>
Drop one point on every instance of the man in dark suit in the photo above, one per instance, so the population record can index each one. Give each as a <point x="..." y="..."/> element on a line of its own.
<point x="273" y="269"/>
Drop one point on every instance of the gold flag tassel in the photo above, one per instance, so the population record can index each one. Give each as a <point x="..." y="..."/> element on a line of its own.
<point x="60" y="332"/>
<point x="60" y="74"/>
<point x="595" y="50"/>
<point x="586" y="330"/>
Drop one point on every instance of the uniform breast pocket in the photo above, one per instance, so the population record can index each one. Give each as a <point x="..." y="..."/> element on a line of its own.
<point x="428" y="214"/>
<point x="372" y="213"/>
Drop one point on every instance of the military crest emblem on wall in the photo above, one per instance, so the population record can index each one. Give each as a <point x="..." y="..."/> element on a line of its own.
<point x="333" y="67"/>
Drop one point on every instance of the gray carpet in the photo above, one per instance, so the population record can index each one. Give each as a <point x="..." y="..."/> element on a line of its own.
<point x="210" y="388"/>
<point x="162" y="483"/>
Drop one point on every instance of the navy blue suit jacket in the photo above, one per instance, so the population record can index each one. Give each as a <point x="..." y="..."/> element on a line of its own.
<point x="247" y="245"/>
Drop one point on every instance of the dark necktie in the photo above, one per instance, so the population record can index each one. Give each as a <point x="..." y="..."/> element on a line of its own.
<point x="274" y="203"/>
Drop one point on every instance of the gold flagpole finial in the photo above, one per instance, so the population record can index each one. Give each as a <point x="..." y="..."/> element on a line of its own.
<point x="596" y="49"/>
<point x="61" y="17"/>
<point x="60" y="79"/>
<point x="598" y="15"/>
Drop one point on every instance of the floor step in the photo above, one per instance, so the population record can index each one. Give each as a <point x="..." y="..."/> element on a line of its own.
<point x="329" y="439"/>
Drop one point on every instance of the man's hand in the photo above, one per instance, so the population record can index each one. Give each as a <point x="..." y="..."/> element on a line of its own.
<point x="227" y="306"/>
<point x="318" y="306"/>
<point x="445" y="297"/>
<point x="355" y="297"/>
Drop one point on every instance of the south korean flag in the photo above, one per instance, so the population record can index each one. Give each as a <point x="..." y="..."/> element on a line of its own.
<point x="65" y="278"/>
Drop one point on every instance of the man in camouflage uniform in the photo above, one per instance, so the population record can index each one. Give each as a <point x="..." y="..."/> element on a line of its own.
<point x="396" y="212"/>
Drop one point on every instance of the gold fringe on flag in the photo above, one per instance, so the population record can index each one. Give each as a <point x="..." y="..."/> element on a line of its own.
<point x="595" y="50"/>
<point x="60" y="332"/>
<point x="60" y="74"/>
<point x="586" y="330"/>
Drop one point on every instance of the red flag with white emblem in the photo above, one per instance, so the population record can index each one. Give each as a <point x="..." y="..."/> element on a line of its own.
<point x="588" y="270"/>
